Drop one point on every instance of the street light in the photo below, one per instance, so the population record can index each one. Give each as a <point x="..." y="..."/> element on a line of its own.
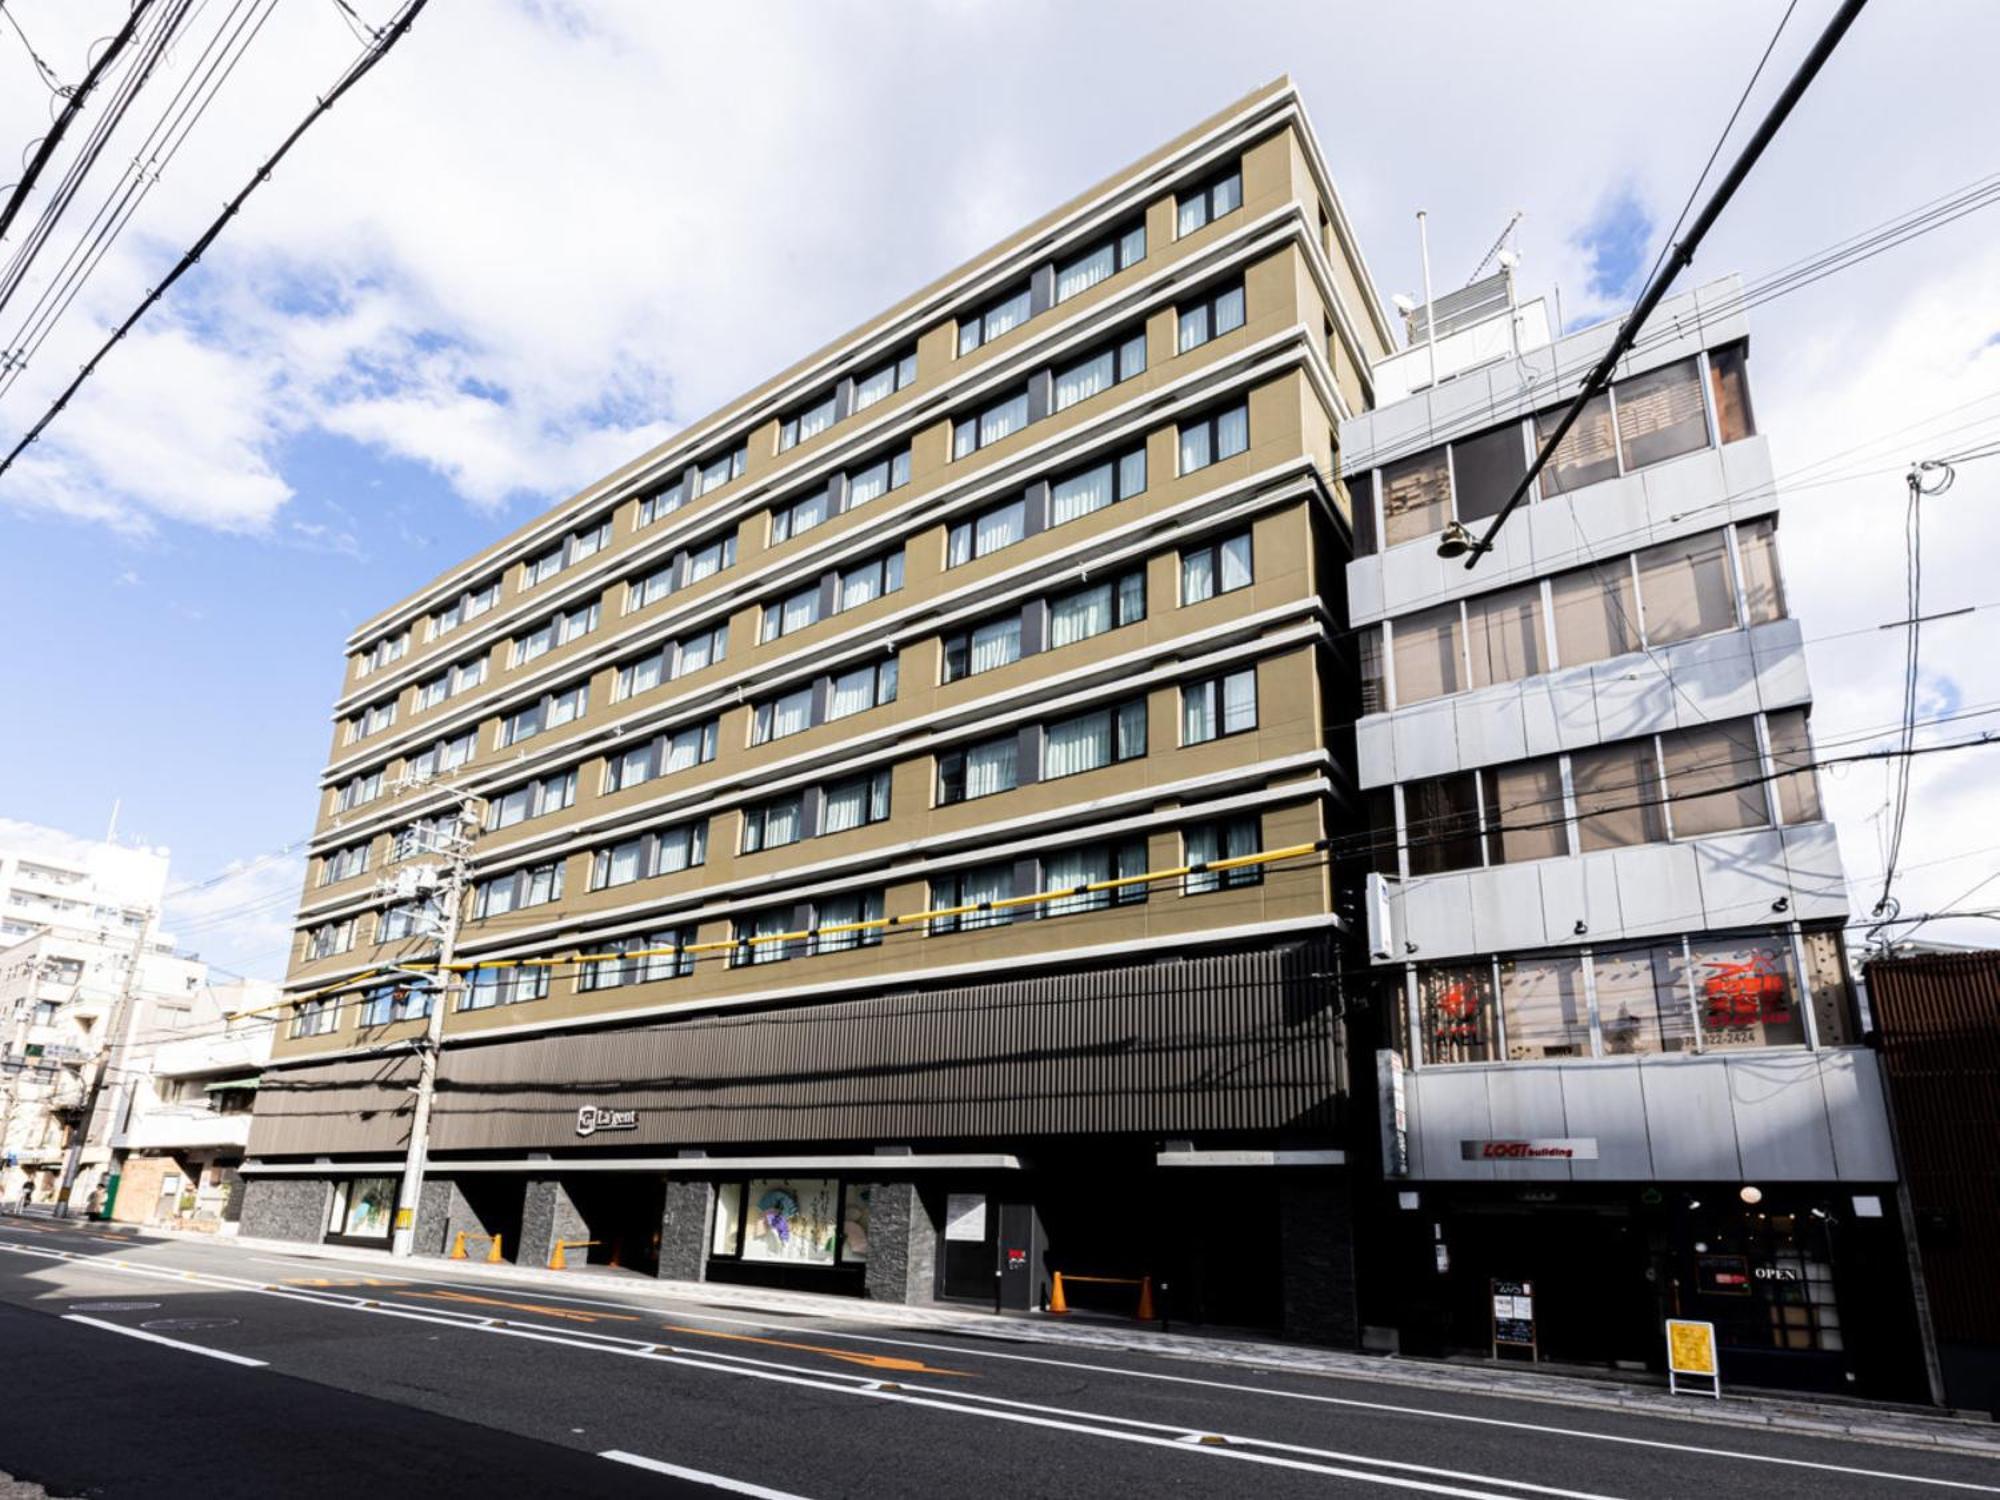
<point x="1457" y="541"/>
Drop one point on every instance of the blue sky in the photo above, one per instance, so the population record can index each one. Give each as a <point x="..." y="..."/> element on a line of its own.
<point x="512" y="260"/>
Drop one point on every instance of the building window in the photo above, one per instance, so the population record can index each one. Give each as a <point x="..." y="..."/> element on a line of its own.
<point x="1642" y="1000"/>
<point x="1219" y="706"/>
<point x="1089" y="741"/>
<point x="1544" y="1008"/>
<point x="1588" y="453"/>
<point x="1486" y="470"/>
<point x="1617" y="796"/>
<point x="1205" y="844"/>
<point x="1002" y="419"/>
<point x="551" y="711"/>
<point x="691" y="653"/>
<point x="1729" y="378"/>
<point x="1099" y="372"/>
<point x="808" y="423"/>
<point x="997" y="643"/>
<point x="1746" y="992"/>
<point x="371" y="720"/>
<point x="532" y="799"/>
<point x="866" y="582"/>
<point x="1429" y="653"/>
<point x="885" y="380"/>
<point x="1124" y="249"/>
<point x="976" y="888"/>
<point x="719" y="470"/>
<point x="344" y="864"/>
<point x="1416" y="497"/>
<point x="1791" y="746"/>
<point x="1456" y="1011"/>
<point x="1213" y="438"/>
<point x="419" y="838"/>
<point x="1685" y="589"/>
<point x="566" y="553"/>
<point x="558" y="630"/>
<point x="389" y="1003"/>
<point x="802" y="515"/>
<point x="1524" y="811"/>
<point x="1085" y="612"/>
<point x="663" y="502"/>
<point x="1441" y="822"/>
<point x="329" y="939"/>
<point x="656" y="956"/>
<point x="406" y="919"/>
<point x="1219" y="311"/>
<point x="988" y="532"/>
<point x="385" y="652"/>
<point x="978" y="770"/>
<point x="664" y="851"/>
<point x="1596" y="613"/>
<point x="1218" y="567"/>
<point x="357" y="791"/>
<point x="1078" y="495"/>
<point x="1757" y="558"/>
<point x="793" y="612"/>
<point x="490" y="987"/>
<point x="449" y="683"/>
<point x="844" y="922"/>
<point x="1503" y="633"/>
<point x="537" y="885"/>
<point x="1714" y="780"/>
<point x="445" y="755"/>
<point x="1210" y="201"/>
<point x="315" y="1017"/>
<point x="774" y="824"/>
<point x="765" y="938"/>
<point x="1097" y="864"/>
<point x="1010" y="311"/>
<point x="873" y="480"/>
<point x="776" y="718"/>
<point x="469" y="605"/>
<point x="1661" y="414"/>
<point x="861" y="689"/>
<point x="687" y="567"/>
<point x="854" y="802"/>
<point x="662" y="755"/>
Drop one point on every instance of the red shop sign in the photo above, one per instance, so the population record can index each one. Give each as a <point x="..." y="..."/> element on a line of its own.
<point x="1744" y="994"/>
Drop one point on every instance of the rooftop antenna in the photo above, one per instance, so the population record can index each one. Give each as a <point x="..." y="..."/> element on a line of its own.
<point x="1500" y="249"/>
<point x="1430" y="307"/>
<point x="111" y="833"/>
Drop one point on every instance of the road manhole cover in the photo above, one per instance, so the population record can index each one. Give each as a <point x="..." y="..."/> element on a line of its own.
<point x="185" y="1325"/>
<point x="91" y="1307"/>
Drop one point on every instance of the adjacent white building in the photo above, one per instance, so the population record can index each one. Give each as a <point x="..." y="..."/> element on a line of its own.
<point x="1620" y="1052"/>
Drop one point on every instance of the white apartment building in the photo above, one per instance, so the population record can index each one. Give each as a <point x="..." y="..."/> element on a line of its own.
<point x="1619" y="1056"/>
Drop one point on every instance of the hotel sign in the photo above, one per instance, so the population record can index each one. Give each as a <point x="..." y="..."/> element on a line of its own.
<point x="1575" y="1148"/>
<point x="592" y="1118"/>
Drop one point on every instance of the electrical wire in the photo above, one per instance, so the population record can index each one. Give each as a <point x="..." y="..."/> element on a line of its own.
<point x="55" y="85"/>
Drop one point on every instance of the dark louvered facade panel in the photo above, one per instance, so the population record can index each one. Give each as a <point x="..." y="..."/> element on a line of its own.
<point x="1232" y="1042"/>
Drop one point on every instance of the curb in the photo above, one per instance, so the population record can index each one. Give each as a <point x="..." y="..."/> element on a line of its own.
<point x="1973" y="1436"/>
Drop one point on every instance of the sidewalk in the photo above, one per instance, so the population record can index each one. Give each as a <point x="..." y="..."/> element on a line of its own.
<point x="1777" y="1412"/>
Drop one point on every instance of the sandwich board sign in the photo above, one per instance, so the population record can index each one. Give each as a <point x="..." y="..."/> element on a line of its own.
<point x="1691" y="1356"/>
<point x="1514" y="1317"/>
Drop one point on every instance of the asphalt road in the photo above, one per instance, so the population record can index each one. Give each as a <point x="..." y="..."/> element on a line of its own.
<point x="190" y="1369"/>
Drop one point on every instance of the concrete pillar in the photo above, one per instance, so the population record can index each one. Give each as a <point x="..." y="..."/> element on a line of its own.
<point x="442" y="1212"/>
<point x="684" y="1230"/>
<point x="547" y="1215"/>
<point x="1316" y="1259"/>
<point x="287" y="1208"/>
<point x="902" y="1244"/>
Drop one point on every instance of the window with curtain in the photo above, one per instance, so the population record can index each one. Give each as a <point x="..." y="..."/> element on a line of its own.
<point x="1218" y="311"/>
<point x="1089" y="741"/>
<point x="801" y="516"/>
<point x="663" y="502"/>
<point x="1685" y="589"/>
<point x="854" y="802"/>
<point x="978" y="770"/>
<point x="1643" y="1003"/>
<point x="1002" y="526"/>
<point x="1216" y="567"/>
<point x="1729" y="374"/>
<point x="1078" y="495"/>
<point x="1210" y="201"/>
<point x="1791" y="747"/>
<point x="881" y="383"/>
<point x="1485" y="471"/>
<point x="997" y="643"/>
<point x="1661" y="414"/>
<point x="1543" y="1004"/>
<point x="1617" y="791"/>
<point x="1099" y="372"/>
<point x="1503" y="635"/>
<point x="866" y="582"/>
<point x="1429" y="653"/>
<point x="664" y="851"/>
<point x="1225" y="838"/>
<point x="1456" y="1011"/>
<point x="861" y="689"/>
<point x="1126" y="247"/>
<point x="1002" y="419"/>
<point x="872" y="481"/>
<point x="1524" y="811"/>
<point x="1705" y="767"/>
<point x="1587" y="454"/>
<point x="1086" y="612"/>
<point x="1596" y="613"/>
<point x="811" y="422"/>
<point x="656" y="956"/>
<point x="970" y="888"/>
<point x="1416" y="497"/>
<point x="1757" y="553"/>
<point x="1214" y="438"/>
<point x="1219" y="706"/>
<point x="756" y="938"/>
<point x="1010" y="311"/>
<point x="784" y="716"/>
<point x="1069" y="868"/>
<point x="1441" y="823"/>
<point x="774" y="824"/>
<point x="834" y="912"/>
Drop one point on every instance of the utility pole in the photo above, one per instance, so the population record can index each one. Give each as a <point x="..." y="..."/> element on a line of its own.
<point x="114" y="1040"/>
<point x="449" y="885"/>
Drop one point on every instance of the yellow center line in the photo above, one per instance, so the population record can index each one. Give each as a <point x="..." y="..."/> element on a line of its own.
<point x="851" y="1356"/>
<point x="534" y="1307"/>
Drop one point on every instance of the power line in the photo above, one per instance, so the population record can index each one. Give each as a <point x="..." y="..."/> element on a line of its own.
<point x="55" y="85"/>
<point x="360" y="69"/>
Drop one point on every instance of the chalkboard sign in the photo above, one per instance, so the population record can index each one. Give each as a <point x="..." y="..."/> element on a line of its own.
<point x="1513" y="1316"/>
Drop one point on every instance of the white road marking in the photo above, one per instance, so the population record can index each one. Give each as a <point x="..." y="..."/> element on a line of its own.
<point x="713" y="1481"/>
<point x="154" y="1338"/>
<point x="729" y="1364"/>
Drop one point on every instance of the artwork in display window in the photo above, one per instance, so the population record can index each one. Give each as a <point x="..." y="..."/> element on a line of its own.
<point x="371" y="1204"/>
<point x="1746" y="994"/>
<point x="854" y="1223"/>
<point x="793" y="1220"/>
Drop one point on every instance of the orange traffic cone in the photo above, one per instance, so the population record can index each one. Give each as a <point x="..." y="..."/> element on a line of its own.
<point x="458" y="1247"/>
<point x="557" y="1261"/>
<point x="492" y="1250"/>
<point x="1145" y="1313"/>
<point x="1058" y="1303"/>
